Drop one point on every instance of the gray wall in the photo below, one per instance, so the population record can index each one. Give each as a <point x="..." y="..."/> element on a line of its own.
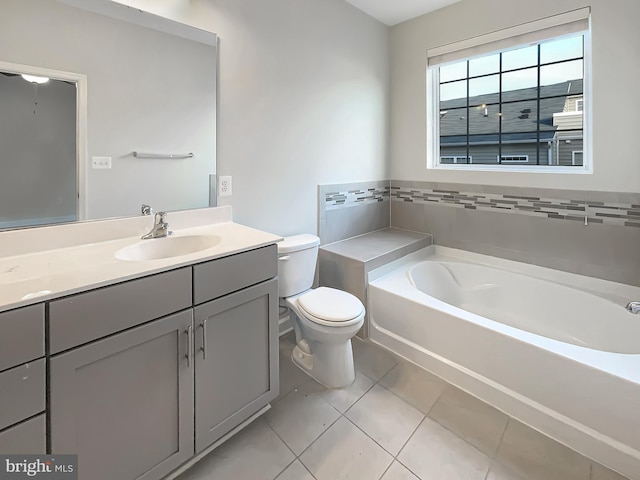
<point x="140" y="83"/>
<point x="37" y="152"/>
<point x="303" y="101"/>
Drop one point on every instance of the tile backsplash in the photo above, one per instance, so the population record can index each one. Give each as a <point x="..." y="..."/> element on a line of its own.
<point x="340" y="198"/>
<point x="349" y="209"/>
<point x="540" y="226"/>
<point x="581" y="210"/>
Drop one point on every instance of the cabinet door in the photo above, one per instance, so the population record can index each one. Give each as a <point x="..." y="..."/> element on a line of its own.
<point x="236" y="359"/>
<point x="125" y="404"/>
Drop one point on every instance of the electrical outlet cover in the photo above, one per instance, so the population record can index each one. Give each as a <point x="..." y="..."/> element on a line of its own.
<point x="101" y="162"/>
<point x="224" y="187"/>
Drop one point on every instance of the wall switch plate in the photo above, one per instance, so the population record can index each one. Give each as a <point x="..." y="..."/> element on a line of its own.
<point x="224" y="186"/>
<point x="101" y="162"/>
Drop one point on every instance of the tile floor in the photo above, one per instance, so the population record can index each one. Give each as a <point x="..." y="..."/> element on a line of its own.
<point x="396" y="422"/>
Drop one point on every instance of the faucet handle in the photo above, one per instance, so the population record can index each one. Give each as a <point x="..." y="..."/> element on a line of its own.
<point x="633" y="307"/>
<point x="161" y="217"/>
<point x="146" y="209"/>
<point x="161" y="222"/>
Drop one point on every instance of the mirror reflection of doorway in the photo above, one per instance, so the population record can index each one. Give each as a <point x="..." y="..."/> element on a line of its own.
<point x="38" y="162"/>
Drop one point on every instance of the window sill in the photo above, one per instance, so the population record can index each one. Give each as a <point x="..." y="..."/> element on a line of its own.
<point x="514" y="169"/>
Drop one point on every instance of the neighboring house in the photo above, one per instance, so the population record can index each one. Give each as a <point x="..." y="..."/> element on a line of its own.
<point x="544" y="130"/>
<point x="568" y="139"/>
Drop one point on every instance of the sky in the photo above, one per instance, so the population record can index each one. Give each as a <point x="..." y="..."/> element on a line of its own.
<point x="551" y="51"/>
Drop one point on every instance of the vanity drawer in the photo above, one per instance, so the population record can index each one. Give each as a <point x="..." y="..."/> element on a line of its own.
<point x="29" y="437"/>
<point x="88" y="316"/>
<point x="229" y="274"/>
<point x="22" y="334"/>
<point x="22" y="392"/>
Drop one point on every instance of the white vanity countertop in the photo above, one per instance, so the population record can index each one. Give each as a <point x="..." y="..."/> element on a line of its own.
<point x="30" y="278"/>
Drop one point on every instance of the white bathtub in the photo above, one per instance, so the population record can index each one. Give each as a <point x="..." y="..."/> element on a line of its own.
<point x="556" y="350"/>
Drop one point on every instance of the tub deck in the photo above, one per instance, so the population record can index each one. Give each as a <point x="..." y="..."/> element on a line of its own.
<point x="345" y="264"/>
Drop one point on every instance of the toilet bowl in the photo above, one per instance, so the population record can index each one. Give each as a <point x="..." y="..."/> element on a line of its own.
<point x="324" y="319"/>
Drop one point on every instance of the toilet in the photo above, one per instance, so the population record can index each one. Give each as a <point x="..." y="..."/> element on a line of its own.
<point x="324" y="319"/>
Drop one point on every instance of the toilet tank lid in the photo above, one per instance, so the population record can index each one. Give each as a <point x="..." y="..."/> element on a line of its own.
<point x="295" y="243"/>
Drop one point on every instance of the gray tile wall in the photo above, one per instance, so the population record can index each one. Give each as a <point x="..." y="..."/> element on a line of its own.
<point x="349" y="209"/>
<point x="539" y="226"/>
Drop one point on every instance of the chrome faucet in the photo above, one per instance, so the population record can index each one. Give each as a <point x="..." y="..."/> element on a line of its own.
<point x="633" y="307"/>
<point x="146" y="209"/>
<point x="160" y="227"/>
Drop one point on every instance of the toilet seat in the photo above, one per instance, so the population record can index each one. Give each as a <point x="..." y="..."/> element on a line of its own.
<point x="331" y="307"/>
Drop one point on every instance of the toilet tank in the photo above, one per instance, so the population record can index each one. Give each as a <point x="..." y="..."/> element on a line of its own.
<point x="297" y="256"/>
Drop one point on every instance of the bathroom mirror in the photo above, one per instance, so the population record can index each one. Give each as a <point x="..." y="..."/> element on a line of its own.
<point x="135" y="93"/>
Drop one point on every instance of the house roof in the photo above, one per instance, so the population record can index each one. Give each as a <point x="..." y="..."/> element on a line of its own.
<point x="519" y="114"/>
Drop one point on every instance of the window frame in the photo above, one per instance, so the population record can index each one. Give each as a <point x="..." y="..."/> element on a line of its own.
<point x="433" y="114"/>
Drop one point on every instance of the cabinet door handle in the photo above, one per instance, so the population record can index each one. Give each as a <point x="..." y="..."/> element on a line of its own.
<point x="189" y="345"/>
<point x="204" y="339"/>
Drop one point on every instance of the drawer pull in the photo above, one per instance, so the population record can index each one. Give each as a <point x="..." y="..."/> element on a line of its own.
<point x="284" y="258"/>
<point x="189" y="345"/>
<point x="204" y="339"/>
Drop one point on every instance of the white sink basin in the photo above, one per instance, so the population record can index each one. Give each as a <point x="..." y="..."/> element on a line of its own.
<point x="166" y="247"/>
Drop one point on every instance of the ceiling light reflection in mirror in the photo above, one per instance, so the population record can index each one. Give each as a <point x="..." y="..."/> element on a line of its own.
<point x="147" y="91"/>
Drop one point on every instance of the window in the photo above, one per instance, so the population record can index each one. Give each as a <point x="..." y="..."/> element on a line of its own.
<point x="514" y="159"/>
<point x="576" y="157"/>
<point x="513" y="102"/>
<point x="455" y="159"/>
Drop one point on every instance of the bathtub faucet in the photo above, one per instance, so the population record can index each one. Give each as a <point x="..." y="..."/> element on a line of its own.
<point x="633" y="307"/>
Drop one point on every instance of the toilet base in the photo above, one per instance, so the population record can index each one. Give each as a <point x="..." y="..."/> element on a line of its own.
<point x="330" y="364"/>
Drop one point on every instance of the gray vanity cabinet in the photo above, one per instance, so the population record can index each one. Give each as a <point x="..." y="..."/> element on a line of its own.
<point x="143" y="374"/>
<point x="236" y="362"/>
<point x="22" y="381"/>
<point x="124" y="404"/>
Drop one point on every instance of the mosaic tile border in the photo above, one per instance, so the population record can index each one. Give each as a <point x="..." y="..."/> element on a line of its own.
<point x="355" y="198"/>
<point x="621" y="214"/>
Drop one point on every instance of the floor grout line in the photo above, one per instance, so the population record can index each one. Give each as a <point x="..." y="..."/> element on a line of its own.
<point x="286" y="445"/>
<point x="360" y="397"/>
<point x="302" y="388"/>
<point x="386" y="469"/>
<point x="285" y="468"/>
<point x="343" y="415"/>
<point x="405" y="444"/>
<point x="394" y="458"/>
<point x="425" y="416"/>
